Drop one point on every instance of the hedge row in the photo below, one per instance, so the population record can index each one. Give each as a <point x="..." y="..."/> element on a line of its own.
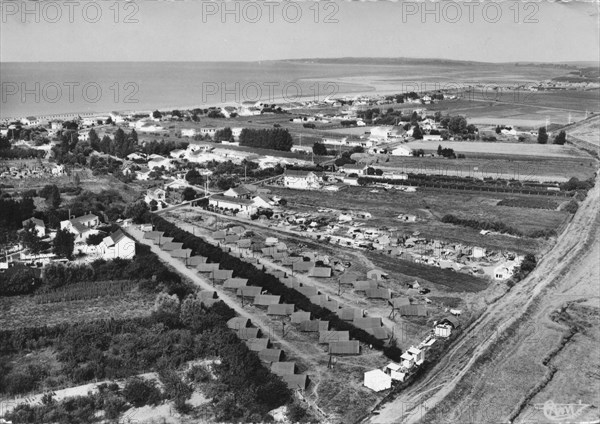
<point x="258" y="277"/>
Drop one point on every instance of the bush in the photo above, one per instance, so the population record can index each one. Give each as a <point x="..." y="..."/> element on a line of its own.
<point x="572" y="207"/>
<point x="140" y="392"/>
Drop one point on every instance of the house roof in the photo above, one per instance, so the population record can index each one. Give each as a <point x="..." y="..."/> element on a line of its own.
<point x="364" y="285"/>
<point x="303" y="266"/>
<point x="318" y="299"/>
<point x="235" y="283"/>
<point x="331" y="305"/>
<point x="314" y="326"/>
<point x="320" y="272"/>
<point x="413" y="310"/>
<point x="171" y="246"/>
<point x="378" y="332"/>
<point x="333" y="336"/>
<point x="248" y="333"/>
<point x="399" y="301"/>
<point x="356" y="166"/>
<point x="249" y="291"/>
<point x="300" y="316"/>
<point x="283" y="368"/>
<point x="271" y="355"/>
<point x="379" y="293"/>
<point x="85" y="218"/>
<point x="36" y="222"/>
<point x="180" y="253"/>
<point x="266" y="300"/>
<point x="153" y="235"/>
<point x="308" y="291"/>
<point x="351" y="347"/>
<point x="348" y="314"/>
<point x="218" y="235"/>
<point x="207" y="267"/>
<point x="300" y="173"/>
<point x="282" y="309"/>
<point x="367" y="322"/>
<point x="236" y="323"/>
<point x="196" y="260"/>
<point x="295" y="381"/>
<point x="256" y="344"/>
<point x="231" y="200"/>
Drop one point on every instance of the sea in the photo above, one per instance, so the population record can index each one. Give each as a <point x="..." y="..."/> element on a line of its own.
<point x="53" y="89"/>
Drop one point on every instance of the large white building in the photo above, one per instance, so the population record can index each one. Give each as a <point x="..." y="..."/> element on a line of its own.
<point x="377" y="380"/>
<point x="302" y="180"/>
<point x="117" y="245"/>
<point x="83" y="226"/>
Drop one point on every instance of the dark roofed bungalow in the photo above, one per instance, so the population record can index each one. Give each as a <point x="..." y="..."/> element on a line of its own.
<point x="348" y="314"/>
<point x="320" y="272"/>
<point x="236" y="323"/>
<point x="413" y="310"/>
<point x="379" y="333"/>
<point x="249" y="291"/>
<point x="153" y="235"/>
<point x="248" y="333"/>
<point x="181" y="253"/>
<point x="221" y="274"/>
<point x="399" y="301"/>
<point x="385" y="294"/>
<point x="367" y="322"/>
<point x="303" y="266"/>
<point x="266" y="300"/>
<point x="296" y="381"/>
<point x="244" y="243"/>
<point x="256" y="344"/>
<point x="318" y="299"/>
<point x="364" y="285"/>
<point x="207" y="267"/>
<point x="333" y="336"/>
<point x="196" y="260"/>
<point x="281" y="309"/>
<point x="271" y="355"/>
<point x="308" y="291"/>
<point x="171" y="246"/>
<point x="331" y="305"/>
<point x="351" y="347"/>
<point x="283" y="368"/>
<point x="314" y="326"/>
<point x="300" y="316"/>
<point x="235" y="283"/>
<point x="219" y="235"/>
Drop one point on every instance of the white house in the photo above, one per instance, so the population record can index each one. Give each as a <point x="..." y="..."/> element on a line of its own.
<point x="83" y="226"/>
<point x="377" y="380"/>
<point x="394" y="371"/>
<point x="504" y="271"/>
<point x="432" y="137"/>
<point x="262" y="201"/>
<point x="418" y="355"/>
<point x="244" y="206"/>
<point x="188" y="132"/>
<point x="478" y="252"/>
<point x="354" y="169"/>
<point x="381" y="133"/>
<point x="303" y="180"/>
<point x="117" y="245"/>
<point x="157" y="163"/>
<point x="39" y="226"/>
<point x="402" y="151"/>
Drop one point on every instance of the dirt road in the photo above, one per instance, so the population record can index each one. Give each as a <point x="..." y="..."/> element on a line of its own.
<point x="504" y="359"/>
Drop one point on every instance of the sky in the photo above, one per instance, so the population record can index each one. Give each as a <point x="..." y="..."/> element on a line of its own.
<point x="196" y="30"/>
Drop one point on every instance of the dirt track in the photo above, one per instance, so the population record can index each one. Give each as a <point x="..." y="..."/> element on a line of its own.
<point x="494" y="371"/>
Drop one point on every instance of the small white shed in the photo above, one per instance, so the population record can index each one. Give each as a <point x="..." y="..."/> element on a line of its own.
<point x="377" y="380"/>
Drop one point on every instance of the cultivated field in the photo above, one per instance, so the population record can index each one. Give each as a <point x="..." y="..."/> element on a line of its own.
<point x="20" y="311"/>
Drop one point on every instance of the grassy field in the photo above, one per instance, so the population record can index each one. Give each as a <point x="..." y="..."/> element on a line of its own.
<point x="23" y="311"/>
<point x="517" y="166"/>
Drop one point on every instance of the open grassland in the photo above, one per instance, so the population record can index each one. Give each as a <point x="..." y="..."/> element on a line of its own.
<point x="519" y="149"/>
<point x="481" y="165"/>
<point x="430" y="206"/>
<point x="23" y="311"/>
<point x="588" y="131"/>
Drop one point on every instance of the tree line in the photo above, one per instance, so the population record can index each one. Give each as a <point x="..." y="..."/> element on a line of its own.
<point x="274" y="139"/>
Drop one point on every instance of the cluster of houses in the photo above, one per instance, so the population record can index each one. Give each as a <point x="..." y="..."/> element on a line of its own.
<point x="36" y="170"/>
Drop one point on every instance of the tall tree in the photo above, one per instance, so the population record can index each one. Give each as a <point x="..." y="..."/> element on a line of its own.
<point x="30" y="239"/>
<point x="561" y="138"/>
<point x="64" y="243"/>
<point x="542" y="137"/>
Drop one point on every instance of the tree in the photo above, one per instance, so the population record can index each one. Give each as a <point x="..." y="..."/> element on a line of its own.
<point x="64" y="243"/>
<point x="140" y="392"/>
<point x="156" y="114"/>
<point x="52" y="195"/>
<point x="319" y="149"/>
<point x="457" y="125"/>
<point x="95" y="239"/>
<point x="498" y="130"/>
<point x="561" y="138"/>
<point x="30" y="239"/>
<point x="439" y="150"/>
<point x="417" y="133"/>
<point x="542" y="137"/>
<point x="189" y="194"/>
<point x="136" y="210"/>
